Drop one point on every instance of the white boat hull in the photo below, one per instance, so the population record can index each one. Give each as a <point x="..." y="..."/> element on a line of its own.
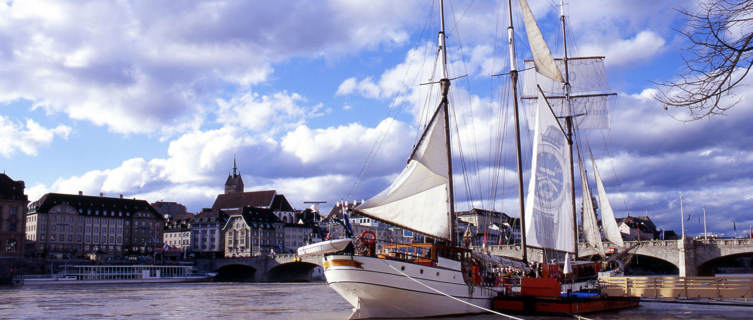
<point x="375" y="290"/>
<point x="324" y="247"/>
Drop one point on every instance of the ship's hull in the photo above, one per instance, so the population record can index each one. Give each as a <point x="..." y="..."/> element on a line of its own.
<point x="377" y="288"/>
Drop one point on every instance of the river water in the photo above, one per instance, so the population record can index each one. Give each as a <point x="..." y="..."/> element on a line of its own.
<point x="299" y="301"/>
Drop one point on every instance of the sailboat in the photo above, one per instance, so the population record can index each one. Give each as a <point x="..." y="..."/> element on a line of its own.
<point x="444" y="278"/>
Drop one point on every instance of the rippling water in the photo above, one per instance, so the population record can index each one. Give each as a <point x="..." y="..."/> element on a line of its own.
<point x="300" y="301"/>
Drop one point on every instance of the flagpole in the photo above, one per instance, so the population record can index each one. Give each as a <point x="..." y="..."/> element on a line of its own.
<point x="682" y="219"/>
<point x="705" y="233"/>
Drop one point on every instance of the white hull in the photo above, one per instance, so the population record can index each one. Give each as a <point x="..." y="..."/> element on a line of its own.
<point x="377" y="291"/>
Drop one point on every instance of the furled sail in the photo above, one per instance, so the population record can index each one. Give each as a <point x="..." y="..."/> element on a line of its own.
<point x="608" y="222"/>
<point x="590" y="224"/>
<point x="548" y="214"/>
<point x="544" y="62"/>
<point x="589" y="91"/>
<point x="418" y="198"/>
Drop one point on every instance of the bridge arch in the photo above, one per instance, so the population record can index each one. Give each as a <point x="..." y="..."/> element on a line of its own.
<point x="731" y="263"/>
<point x="236" y="272"/>
<point x="296" y="271"/>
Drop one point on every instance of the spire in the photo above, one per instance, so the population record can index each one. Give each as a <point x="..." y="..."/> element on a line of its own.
<point x="235" y="166"/>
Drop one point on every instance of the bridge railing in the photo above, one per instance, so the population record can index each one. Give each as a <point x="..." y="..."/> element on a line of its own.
<point x="679" y="287"/>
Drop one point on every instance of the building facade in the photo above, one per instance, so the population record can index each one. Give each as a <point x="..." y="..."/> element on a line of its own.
<point x="77" y="225"/>
<point x="13" y="203"/>
<point x="252" y="232"/>
<point x="177" y="234"/>
<point x="206" y="232"/>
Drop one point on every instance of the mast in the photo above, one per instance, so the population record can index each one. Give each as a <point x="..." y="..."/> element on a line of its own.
<point x="514" y="80"/>
<point x="445" y="85"/>
<point x="569" y="124"/>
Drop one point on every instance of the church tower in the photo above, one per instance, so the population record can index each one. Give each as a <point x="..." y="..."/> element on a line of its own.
<point x="234" y="181"/>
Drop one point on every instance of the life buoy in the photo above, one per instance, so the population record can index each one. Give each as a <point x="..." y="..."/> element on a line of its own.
<point x="368" y="237"/>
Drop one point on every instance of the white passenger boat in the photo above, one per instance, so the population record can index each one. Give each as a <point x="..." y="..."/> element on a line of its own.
<point x="118" y="274"/>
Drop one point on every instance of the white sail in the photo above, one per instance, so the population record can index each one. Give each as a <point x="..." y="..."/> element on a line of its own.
<point x="608" y="222"/>
<point x="549" y="222"/>
<point x="418" y="198"/>
<point x="589" y="91"/>
<point x="544" y="62"/>
<point x="590" y="224"/>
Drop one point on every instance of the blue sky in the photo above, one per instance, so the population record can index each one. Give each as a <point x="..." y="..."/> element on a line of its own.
<point x="153" y="100"/>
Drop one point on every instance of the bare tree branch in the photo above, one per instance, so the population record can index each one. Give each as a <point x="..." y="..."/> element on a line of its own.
<point x="719" y="58"/>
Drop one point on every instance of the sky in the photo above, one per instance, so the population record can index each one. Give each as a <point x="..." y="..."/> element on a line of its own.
<point x="323" y="100"/>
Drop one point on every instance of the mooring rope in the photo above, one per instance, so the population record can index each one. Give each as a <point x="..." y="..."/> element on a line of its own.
<point x="449" y="296"/>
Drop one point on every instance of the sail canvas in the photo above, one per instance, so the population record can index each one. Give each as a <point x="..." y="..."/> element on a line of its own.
<point x="590" y="94"/>
<point x="590" y="224"/>
<point x="418" y="199"/>
<point x="544" y="62"/>
<point x="548" y="215"/>
<point x="608" y="221"/>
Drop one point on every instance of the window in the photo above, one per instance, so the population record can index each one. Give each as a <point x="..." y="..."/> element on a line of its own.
<point x="88" y="238"/>
<point x="10" y="245"/>
<point x="12" y="227"/>
<point x="54" y="228"/>
<point x="13" y="211"/>
<point x="70" y="237"/>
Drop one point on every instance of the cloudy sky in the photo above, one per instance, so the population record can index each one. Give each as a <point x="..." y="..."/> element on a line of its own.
<point x="321" y="100"/>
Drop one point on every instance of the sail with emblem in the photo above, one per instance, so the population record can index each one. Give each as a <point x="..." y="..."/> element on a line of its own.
<point x="548" y="211"/>
<point x="590" y="224"/>
<point x="418" y="199"/>
<point x="608" y="222"/>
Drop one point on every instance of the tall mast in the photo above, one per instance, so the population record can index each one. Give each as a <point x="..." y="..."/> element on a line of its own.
<point x="445" y="84"/>
<point x="514" y="80"/>
<point x="569" y="124"/>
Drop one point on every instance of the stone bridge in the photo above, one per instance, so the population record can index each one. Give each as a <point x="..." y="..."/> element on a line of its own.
<point x="689" y="256"/>
<point x="288" y="267"/>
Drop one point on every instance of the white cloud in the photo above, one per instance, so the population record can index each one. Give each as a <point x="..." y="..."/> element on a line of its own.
<point x="265" y="113"/>
<point x="27" y="138"/>
<point x="644" y="45"/>
<point x="151" y="67"/>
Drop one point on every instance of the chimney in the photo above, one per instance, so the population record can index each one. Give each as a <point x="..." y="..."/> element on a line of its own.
<point x="101" y="194"/>
<point x="81" y="193"/>
<point x="121" y="196"/>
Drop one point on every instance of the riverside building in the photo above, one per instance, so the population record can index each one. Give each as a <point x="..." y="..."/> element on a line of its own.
<point x="206" y="233"/>
<point x="13" y="203"/>
<point x="251" y="232"/>
<point x="77" y="225"/>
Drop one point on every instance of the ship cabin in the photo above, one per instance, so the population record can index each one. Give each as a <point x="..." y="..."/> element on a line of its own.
<point x="428" y="254"/>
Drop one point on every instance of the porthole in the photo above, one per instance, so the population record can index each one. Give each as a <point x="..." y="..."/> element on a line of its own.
<point x="421" y="271"/>
<point x="402" y="268"/>
<point x="437" y="273"/>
